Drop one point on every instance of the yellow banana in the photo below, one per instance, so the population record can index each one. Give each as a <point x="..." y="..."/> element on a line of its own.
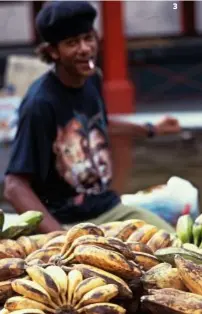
<point x="90" y="271"/>
<point x="166" y="278"/>
<point x="35" y="262"/>
<point x="32" y="290"/>
<point x="108" y="243"/>
<point x="126" y="228"/>
<point x="146" y="261"/>
<point x="6" y="290"/>
<point x="5" y="253"/>
<point x="105" y="259"/>
<point x="43" y="254"/>
<point x="158" y="268"/>
<point x="169" y="303"/>
<point x="85" y="286"/>
<point x="109" y="227"/>
<point x="143" y="234"/>
<point x="60" y="278"/>
<point x="190" y="273"/>
<point x="28" y="311"/>
<point x="57" y="241"/>
<point x="74" y="278"/>
<point x="121" y="247"/>
<point x="27" y="244"/>
<point x="97" y="295"/>
<point x="138" y="247"/>
<point x="45" y="280"/>
<point x="41" y="239"/>
<point x="78" y="231"/>
<point x="21" y="303"/>
<point x="159" y="240"/>
<point x="11" y="268"/>
<point x="12" y="248"/>
<point x="102" y="308"/>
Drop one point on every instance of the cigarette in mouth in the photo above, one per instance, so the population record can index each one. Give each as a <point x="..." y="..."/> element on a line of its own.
<point x="91" y="64"/>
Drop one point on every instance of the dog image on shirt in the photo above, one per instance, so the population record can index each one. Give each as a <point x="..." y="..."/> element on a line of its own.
<point x="73" y="158"/>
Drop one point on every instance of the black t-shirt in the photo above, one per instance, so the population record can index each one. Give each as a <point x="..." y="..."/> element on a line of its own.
<point x="62" y="143"/>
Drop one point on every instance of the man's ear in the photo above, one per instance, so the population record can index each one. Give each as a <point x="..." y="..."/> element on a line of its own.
<point x="53" y="51"/>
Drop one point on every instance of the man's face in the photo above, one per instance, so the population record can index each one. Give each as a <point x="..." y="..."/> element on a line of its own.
<point x="74" y="54"/>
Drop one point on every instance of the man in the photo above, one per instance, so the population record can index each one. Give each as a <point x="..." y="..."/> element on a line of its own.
<point x="60" y="162"/>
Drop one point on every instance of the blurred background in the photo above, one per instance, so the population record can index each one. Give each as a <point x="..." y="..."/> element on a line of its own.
<point x="151" y="57"/>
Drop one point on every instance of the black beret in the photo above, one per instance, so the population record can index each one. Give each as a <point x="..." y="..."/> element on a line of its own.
<point x="58" y="20"/>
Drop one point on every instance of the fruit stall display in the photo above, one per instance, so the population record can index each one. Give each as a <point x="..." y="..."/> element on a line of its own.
<point x="117" y="267"/>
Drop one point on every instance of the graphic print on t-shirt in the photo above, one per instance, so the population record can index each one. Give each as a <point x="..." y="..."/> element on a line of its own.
<point x="82" y="155"/>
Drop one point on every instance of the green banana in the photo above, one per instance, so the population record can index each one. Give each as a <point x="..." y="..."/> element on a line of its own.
<point x="32" y="219"/>
<point x="197" y="230"/>
<point x="25" y="225"/>
<point x="14" y="231"/>
<point x="191" y="247"/>
<point x="1" y="219"/>
<point x="167" y="255"/>
<point x="197" y="234"/>
<point x="184" y="228"/>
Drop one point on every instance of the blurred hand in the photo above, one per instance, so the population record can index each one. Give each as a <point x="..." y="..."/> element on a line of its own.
<point x="167" y="125"/>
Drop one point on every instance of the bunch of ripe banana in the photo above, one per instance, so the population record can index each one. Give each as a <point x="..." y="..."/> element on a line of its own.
<point x="135" y="230"/>
<point x="86" y="243"/>
<point x="25" y="224"/>
<point x="13" y="262"/>
<point x="189" y="231"/>
<point x="174" y="290"/>
<point x="132" y="243"/>
<point x="50" y="290"/>
<point x="24" y="245"/>
<point x="10" y="269"/>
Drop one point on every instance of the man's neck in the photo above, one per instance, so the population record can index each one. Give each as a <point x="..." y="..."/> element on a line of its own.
<point x="67" y="79"/>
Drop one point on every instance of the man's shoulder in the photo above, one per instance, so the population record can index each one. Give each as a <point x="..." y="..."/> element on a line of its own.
<point x="39" y="88"/>
<point x="37" y="97"/>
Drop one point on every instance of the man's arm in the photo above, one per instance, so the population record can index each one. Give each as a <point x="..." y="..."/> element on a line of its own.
<point x="18" y="192"/>
<point x="167" y="125"/>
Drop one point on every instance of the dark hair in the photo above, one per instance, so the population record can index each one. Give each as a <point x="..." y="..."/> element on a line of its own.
<point x="43" y="53"/>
